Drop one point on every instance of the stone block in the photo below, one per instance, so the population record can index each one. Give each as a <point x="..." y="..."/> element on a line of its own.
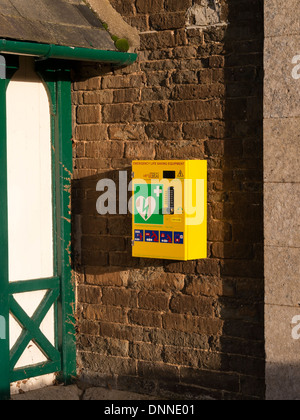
<point x="282" y="89"/>
<point x="282" y="382"/>
<point x="282" y="353"/>
<point x="282" y="215"/>
<point x="53" y="393"/>
<point x="282" y="272"/>
<point x="277" y="14"/>
<point x="281" y="150"/>
<point x="280" y="345"/>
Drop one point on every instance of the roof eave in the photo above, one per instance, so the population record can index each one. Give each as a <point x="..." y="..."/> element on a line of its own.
<point x="45" y="51"/>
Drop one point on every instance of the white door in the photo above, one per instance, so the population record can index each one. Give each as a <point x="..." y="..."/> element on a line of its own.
<point x="30" y="203"/>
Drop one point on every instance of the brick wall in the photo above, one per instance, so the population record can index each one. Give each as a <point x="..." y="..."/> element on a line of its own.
<point x="193" y="329"/>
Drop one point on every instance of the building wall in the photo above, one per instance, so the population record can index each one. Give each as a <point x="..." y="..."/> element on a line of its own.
<point x="193" y="329"/>
<point x="282" y="194"/>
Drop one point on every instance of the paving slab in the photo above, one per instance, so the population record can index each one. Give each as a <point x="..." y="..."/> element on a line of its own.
<point x="53" y="393"/>
<point x="73" y="393"/>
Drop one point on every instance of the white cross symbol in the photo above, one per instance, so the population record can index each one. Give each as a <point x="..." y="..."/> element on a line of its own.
<point x="157" y="191"/>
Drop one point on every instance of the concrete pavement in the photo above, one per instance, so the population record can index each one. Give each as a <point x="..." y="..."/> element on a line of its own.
<point x="74" y="393"/>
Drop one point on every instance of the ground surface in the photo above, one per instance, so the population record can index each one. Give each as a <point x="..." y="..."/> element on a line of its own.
<point x="74" y="393"/>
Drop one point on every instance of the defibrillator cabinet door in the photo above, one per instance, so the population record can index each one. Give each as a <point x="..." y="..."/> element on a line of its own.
<point x="170" y="209"/>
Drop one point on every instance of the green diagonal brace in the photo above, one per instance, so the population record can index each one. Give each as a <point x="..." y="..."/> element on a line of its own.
<point x="32" y="328"/>
<point x="4" y="309"/>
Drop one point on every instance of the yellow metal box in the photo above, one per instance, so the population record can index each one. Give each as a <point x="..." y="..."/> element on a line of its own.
<point x="169" y="209"/>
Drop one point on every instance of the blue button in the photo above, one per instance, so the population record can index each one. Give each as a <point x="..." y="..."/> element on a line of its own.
<point x="179" y="238"/>
<point x="139" y="235"/>
<point x="166" y="237"/>
<point x="151" y="235"/>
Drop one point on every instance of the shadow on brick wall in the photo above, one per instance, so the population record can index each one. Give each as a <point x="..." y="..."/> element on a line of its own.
<point x="242" y="265"/>
<point x="102" y="242"/>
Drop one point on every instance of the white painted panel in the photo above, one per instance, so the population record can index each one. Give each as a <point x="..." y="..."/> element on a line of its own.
<point x="30" y="214"/>
<point x="32" y="384"/>
<point x="31" y="356"/>
<point x="29" y="302"/>
<point x="15" y="331"/>
<point x="30" y="223"/>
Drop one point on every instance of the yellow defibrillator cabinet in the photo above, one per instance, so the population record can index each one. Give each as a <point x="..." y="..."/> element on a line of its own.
<point x="169" y="209"/>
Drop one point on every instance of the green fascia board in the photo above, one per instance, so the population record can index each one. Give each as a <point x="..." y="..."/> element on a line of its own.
<point x="45" y="51"/>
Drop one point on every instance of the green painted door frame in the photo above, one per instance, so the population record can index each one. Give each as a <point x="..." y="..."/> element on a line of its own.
<point x="60" y="289"/>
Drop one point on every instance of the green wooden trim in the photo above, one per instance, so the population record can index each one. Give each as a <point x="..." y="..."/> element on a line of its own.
<point x="35" y="370"/>
<point x="34" y="285"/>
<point x="31" y="329"/>
<point x="57" y="78"/>
<point x="46" y="51"/>
<point x="66" y="304"/>
<point x="11" y="67"/>
<point x="4" y="307"/>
